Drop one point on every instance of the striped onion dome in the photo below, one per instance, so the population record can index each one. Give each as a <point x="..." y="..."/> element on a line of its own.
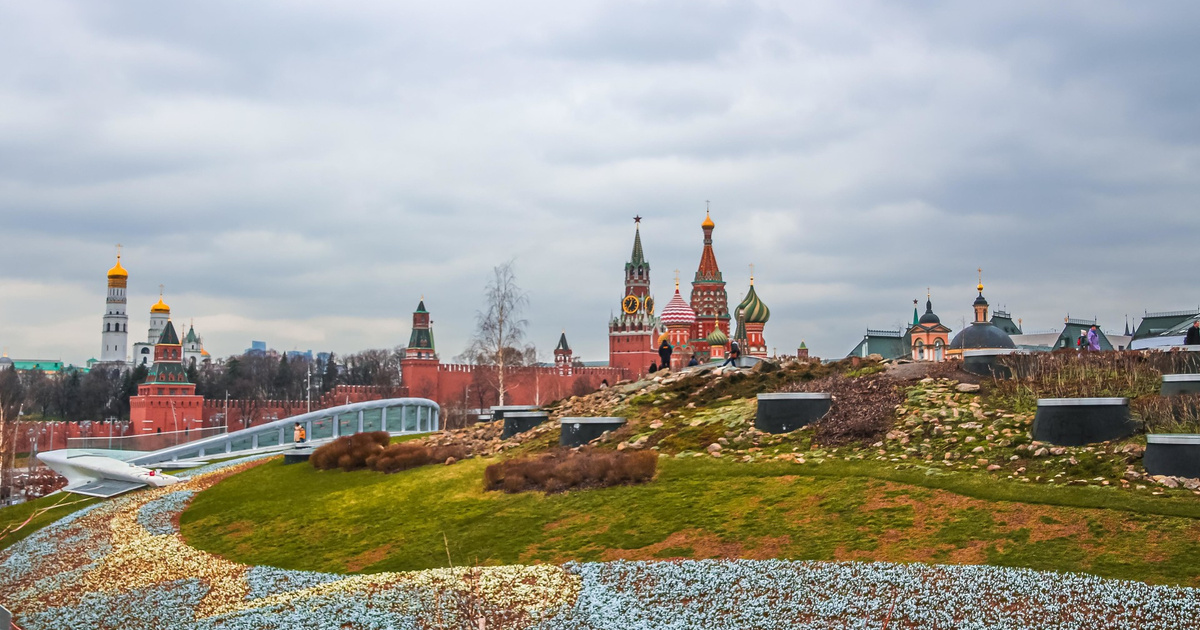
<point x="752" y="309"/>
<point x="717" y="337"/>
<point x="677" y="312"/>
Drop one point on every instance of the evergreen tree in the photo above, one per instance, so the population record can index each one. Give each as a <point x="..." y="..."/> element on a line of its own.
<point x="329" y="380"/>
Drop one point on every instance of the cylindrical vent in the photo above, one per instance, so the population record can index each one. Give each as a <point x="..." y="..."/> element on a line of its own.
<point x="987" y="362"/>
<point x="499" y="411"/>
<point x="580" y="431"/>
<point x="1172" y="454"/>
<point x="1173" y="384"/>
<point x="785" y="412"/>
<point x="1080" y="421"/>
<point x="521" y="421"/>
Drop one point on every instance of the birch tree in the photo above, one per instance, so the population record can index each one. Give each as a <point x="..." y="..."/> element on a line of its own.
<point x="498" y="344"/>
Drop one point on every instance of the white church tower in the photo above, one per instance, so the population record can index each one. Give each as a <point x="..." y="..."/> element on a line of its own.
<point x="116" y="322"/>
<point x="143" y="353"/>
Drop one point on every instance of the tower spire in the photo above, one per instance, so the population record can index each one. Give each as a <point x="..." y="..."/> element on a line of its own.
<point x="637" y="258"/>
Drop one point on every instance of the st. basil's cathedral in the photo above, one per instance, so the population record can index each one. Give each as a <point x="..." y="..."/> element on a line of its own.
<point x="698" y="328"/>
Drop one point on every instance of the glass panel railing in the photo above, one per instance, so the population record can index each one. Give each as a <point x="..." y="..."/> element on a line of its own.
<point x="322" y="429"/>
<point x="241" y="443"/>
<point x="348" y="423"/>
<point x="372" y="420"/>
<point x="268" y="438"/>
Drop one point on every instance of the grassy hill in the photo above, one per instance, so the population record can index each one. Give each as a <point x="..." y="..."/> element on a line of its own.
<point x="947" y="477"/>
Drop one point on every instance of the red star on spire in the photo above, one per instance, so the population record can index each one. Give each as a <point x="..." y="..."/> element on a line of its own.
<point x="637" y="219"/>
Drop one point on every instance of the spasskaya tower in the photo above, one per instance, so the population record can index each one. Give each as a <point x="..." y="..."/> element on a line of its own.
<point x="631" y="335"/>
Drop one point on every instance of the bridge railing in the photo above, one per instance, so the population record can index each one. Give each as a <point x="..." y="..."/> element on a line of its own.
<point x="397" y="416"/>
<point x="145" y="441"/>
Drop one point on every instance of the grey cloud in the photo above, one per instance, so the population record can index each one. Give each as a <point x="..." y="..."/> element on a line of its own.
<point x="320" y="167"/>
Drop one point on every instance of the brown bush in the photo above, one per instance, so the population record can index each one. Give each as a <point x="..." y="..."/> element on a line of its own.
<point x="562" y="470"/>
<point x="376" y="452"/>
<point x="1168" y="414"/>
<point x="863" y="409"/>
<point x="406" y="455"/>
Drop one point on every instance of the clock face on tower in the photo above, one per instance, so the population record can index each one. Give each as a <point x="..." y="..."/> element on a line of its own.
<point x="649" y="305"/>
<point x="629" y="304"/>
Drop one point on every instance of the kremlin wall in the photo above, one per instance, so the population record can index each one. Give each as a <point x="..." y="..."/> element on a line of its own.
<point x="701" y="328"/>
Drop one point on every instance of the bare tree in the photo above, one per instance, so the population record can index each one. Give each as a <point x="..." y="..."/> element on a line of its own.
<point x="497" y="346"/>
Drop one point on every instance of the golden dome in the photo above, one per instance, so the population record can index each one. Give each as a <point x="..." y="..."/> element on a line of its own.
<point x="708" y="222"/>
<point x="118" y="271"/>
<point x="160" y="307"/>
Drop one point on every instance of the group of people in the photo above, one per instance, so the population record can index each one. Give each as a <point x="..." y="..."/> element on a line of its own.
<point x="665" y="351"/>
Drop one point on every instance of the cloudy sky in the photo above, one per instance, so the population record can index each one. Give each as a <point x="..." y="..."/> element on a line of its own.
<point x="303" y="172"/>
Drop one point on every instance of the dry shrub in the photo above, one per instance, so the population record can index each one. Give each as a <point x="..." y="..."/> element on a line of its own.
<point x="562" y="470"/>
<point x="376" y="452"/>
<point x="406" y="455"/>
<point x="349" y="452"/>
<point x="1169" y="414"/>
<point x="863" y="409"/>
<point x="1128" y="374"/>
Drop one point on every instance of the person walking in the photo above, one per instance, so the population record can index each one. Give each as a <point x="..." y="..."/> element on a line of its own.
<point x="1193" y="335"/>
<point x="664" y="355"/>
<point x="735" y="353"/>
<point x="1093" y="339"/>
<point x="299" y="434"/>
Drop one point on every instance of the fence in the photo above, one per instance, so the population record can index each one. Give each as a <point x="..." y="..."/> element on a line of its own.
<point x="145" y="441"/>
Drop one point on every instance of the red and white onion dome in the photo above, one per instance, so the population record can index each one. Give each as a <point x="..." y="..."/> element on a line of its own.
<point x="677" y="312"/>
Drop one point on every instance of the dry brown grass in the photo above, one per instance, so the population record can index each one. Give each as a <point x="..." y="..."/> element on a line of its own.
<point x="374" y="451"/>
<point x="1169" y="414"/>
<point x="863" y="409"/>
<point x="562" y="470"/>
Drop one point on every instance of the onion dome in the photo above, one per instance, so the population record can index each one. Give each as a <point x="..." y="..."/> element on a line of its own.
<point x="752" y="309"/>
<point x="117" y="271"/>
<point x="160" y="307"/>
<point x="717" y="337"/>
<point x="677" y="312"/>
<point x="708" y="222"/>
<point x="929" y="317"/>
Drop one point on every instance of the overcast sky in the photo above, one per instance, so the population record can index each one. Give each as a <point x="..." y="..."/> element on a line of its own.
<point x="303" y="172"/>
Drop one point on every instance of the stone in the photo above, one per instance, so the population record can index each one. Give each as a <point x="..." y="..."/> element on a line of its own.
<point x="1191" y="484"/>
<point x="1041" y="452"/>
<point x="977" y="449"/>
<point x="714" y="448"/>
<point x="993" y="467"/>
<point x="1057" y="451"/>
<point x="967" y="388"/>
<point x="450" y="460"/>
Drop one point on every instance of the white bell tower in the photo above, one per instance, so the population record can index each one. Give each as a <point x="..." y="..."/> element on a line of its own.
<point x="115" y="335"/>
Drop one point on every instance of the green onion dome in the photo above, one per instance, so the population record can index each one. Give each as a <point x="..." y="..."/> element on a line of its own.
<point x="717" y="337"/>
<point x="752" y="309"/>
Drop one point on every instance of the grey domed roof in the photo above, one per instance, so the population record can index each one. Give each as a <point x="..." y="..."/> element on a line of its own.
<point x="929" y="317"/>
<point x="981" y="335"/>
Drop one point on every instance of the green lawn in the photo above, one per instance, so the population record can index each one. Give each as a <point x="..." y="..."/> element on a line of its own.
<point x="298" y="518"/>
<point x="13" y="525"/>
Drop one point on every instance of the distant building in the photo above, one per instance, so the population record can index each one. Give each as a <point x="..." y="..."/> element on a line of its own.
<point x="115" y="336"/>
<point x="982" y="334"/>
<point x="1068" y="338"/>
<point x="1163" y="329"/>
<point x="889" y="344"/>
<point x="1004" y="321"/>
<point x="257" y="348"/>
<point x="928" y="336"/>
